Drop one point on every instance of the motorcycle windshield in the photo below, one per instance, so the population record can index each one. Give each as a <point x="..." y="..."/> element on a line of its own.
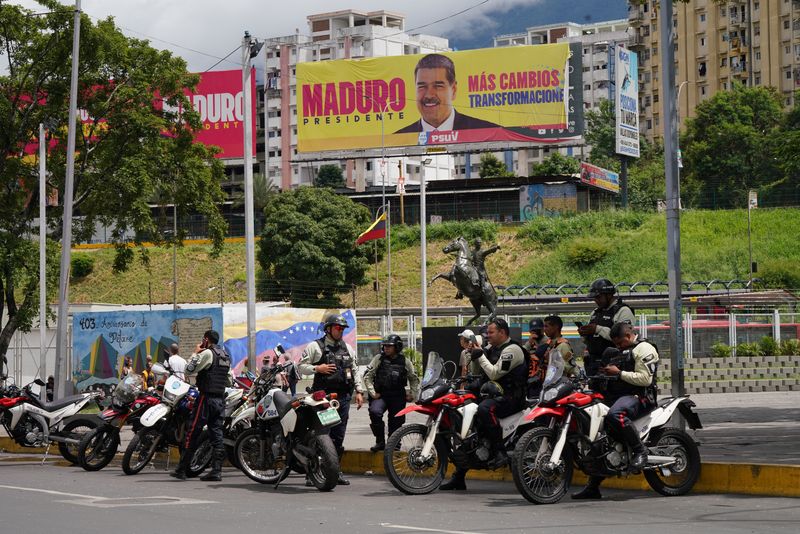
<point x="127" y="389"/>
<point x="555" y="369"/>
<point x="433" y="370"/>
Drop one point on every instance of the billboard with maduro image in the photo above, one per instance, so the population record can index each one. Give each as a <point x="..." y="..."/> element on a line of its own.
<point x="521" y="94"/>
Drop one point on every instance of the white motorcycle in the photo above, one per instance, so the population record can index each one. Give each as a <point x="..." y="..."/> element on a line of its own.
<point x="570" y="432"/>
<point x="32" y="422"/>
<point x="416" y="455"/>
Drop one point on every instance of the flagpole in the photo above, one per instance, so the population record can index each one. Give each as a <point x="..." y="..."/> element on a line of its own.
<point x="389" y="264"/>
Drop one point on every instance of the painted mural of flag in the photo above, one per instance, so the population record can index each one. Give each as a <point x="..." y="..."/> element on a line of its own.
<point x="376" y="231"/>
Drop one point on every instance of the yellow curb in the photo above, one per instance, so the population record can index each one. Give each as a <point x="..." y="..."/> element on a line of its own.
<point x="747" y="479"/>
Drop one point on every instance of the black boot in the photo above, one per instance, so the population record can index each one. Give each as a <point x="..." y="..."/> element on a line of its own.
<point x="215" y="475"/>
<point x="380" y="438"/>
<point x="456" y="482"/>
<point x="180" y="470"/>
<point x="341" y="481"/>
<point x="591" y="491"/>
<point x="638" y="457"/>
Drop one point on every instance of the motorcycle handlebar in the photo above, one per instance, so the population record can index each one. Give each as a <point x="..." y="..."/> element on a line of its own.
<point x="603" y="377"/>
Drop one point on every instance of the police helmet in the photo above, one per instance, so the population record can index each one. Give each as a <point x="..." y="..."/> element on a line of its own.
<point x="336" y="319"/>
<point x="602" y="286"/>
<point x="491" y="390"/>
<point x="393" y="340"/>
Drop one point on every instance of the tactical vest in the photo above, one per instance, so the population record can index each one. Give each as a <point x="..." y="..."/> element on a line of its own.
<point x="514" y="383"/>
<point x="342" y="381"/>
<point x="619" y="388"/>
<point x="391" y="376"/>
<point x="597" y="344"/>
<point x="213" y="380"/>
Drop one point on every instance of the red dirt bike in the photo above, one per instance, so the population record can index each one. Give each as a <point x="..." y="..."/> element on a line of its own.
<point x="416" y="455"/>
<point x="128" y="402"/>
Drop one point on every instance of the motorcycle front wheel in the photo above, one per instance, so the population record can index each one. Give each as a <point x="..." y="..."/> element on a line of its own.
<point x="140" y="450"/>
<point x="407" y="470"/>
<point x="75" y="429"/>
<point x="202" y="455"/>
<point x="535" y="479"/>
<point x="323" y="467"/>
<point x="255" y="458"/>
<point x="98" y="447"/>
<point x="680" y="477"/>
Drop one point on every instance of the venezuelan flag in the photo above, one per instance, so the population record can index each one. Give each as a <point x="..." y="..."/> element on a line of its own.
<point x="376" y="231"/>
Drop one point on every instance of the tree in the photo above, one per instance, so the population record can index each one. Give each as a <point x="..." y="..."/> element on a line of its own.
<point x="491" y="167"/>
<point x="329" y="176"/>
<point x="128" y="153"/>
<point x="307" y="252"/>
<point x="601" y="136"/>
<point x="557" y="165"/>
<point x="727" y="146"/>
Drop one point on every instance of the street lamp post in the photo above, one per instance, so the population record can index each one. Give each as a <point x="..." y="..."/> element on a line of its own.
<point x="423" y="242"/>
<point x="384" y="109"/>
<point x="678" y="138"/>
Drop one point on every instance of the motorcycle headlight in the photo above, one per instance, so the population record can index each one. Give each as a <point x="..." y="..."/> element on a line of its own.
<point x="426" y="395"/>
<point x="550" y="395"/>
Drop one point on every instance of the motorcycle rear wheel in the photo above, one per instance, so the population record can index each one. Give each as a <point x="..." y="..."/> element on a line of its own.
<point x="140" y="450"/>
<point x="98" y="447"/>
<point x="535" y="481"/>
<point x="406" y="470"/>
<point x="679" y="478"/>
<point x="254" y="455"/>
<point x="75" y="429"/>
<point x="323" y="467"/>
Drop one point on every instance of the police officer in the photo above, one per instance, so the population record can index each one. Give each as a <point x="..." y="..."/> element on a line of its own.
<point x="212" y="367"/>
<point x="631" y="395"/>
<point x="333" y="365"/>
<point x="503" y="391"/>
<point x="385" y="381"/>
<point x="597" y="334"/>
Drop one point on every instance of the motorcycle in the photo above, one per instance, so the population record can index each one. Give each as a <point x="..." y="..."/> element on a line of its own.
<point x="163" y="425"/>
<point x="128" y="402"/>
<point x="416" y="455"/>
<point x="289" y="435"/>
<point x="31" y="422"/>
<point x="570" y="431"/>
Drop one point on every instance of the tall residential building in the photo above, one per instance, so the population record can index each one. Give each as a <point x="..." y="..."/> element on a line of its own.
<point x="337" y="35"/>
<point x="716" y="46"/>
<point x="595" y="39"/>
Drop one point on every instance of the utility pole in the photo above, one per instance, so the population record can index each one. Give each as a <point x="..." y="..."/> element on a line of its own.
<point x="673" y="197"/>
<point x="42" y="252"/>
<point x="60" y="376"/>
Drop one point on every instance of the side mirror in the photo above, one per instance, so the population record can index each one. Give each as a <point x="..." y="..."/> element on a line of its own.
<point x="39" y="382"/>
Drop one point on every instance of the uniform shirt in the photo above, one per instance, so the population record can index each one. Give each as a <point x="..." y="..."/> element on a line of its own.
<point x="369" y="377"/>
<point x="201" y="361"/>
<point x="645" y="359"/>
<point x="511" y="353"/>
<point x="312" y="355"/>
<point x="623" y="315"/>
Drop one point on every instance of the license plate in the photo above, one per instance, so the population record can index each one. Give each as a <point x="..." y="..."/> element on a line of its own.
<point x="329" y="417"/>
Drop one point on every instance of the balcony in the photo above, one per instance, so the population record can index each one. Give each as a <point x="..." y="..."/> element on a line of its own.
<point x="636" y="17"/>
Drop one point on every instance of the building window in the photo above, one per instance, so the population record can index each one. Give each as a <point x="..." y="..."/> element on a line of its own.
<point x="702" y="17"/>
<point x="722" y="12"/>
<point x="723" y="62"/>
<point x="649" y="124"/>
<point x="755" y="6"/>
<point x="788" y="75"/>
<point x="725" y="85"/>
<point x="702" y="41"/>
<point x="756" y="29"/>
<point x="758" y="80"/>
<point x="701" y="69"/>
<point x="786" y="24"/>
<point x="758" y="55"/>
<point x="655" y="98"/>
<point x="703" y="90"/>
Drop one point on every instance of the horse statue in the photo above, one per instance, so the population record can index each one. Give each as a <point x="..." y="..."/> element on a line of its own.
<point x="471" y="280"/>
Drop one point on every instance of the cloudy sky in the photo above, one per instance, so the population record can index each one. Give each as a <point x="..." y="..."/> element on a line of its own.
<point x="202" y="31"/>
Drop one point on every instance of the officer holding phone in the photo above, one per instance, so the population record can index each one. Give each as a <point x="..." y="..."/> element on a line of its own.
<point x="597" y="334"/>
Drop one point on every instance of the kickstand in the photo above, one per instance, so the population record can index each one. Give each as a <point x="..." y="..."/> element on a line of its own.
<point x="283" y="476"/>
<point x="46" y="452"/>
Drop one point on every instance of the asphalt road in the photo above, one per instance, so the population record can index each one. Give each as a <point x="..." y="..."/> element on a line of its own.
<point x="52" y="499"/>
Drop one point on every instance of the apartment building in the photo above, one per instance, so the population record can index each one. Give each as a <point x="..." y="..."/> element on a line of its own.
<point x="348" y="34"/>
<point x="750" y="42"/>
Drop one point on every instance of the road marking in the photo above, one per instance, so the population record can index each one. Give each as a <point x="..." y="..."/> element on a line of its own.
<point x="424" y="529"/>
<point x="112" y="502"/>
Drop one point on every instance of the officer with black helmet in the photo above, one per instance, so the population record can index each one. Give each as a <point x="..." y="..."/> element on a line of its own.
<point x="597" y="334"/>
<point x="212" y="366"/>
<point x="385" y="381"/>
<point x="333" y="365"/>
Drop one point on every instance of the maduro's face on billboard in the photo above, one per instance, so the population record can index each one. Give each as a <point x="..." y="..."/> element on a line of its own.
<point x="435" y="95"/>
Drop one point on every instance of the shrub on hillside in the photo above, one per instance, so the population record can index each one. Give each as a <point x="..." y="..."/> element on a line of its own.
<point x="408" y="236"/>
<point x="587" y="251"/>
<point x="790" y="347"/>
<point x="779" y="274"/>
<point x="721" y="350"/>
<point x="748" y="350"/>
<point x="82" y="265"/>
<point x="768" y="346"/>
<point x="551" y="230"/>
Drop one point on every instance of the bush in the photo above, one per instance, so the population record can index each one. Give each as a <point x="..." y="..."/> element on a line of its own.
<point x="408" y="236"/>
<point x="779" y="274"/>
<point x="552" y="230"/>
<point x="721" y="350"/>
<point x="748" y="349"/>
<point x="790" y="347"/>
<point x="587" y="251"/>
<point x="82" y="265"/>
<point x="768" y="346"/>
<point x="416" y="359"/>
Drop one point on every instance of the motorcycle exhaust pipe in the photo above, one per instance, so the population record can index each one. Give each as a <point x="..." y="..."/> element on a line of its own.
<point x="660" y="460"/>
<point x="303" y="453"/>
<point x="64" y="439"/>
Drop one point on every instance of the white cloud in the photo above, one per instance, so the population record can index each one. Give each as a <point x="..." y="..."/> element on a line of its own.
<point x="216" y="27"/>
